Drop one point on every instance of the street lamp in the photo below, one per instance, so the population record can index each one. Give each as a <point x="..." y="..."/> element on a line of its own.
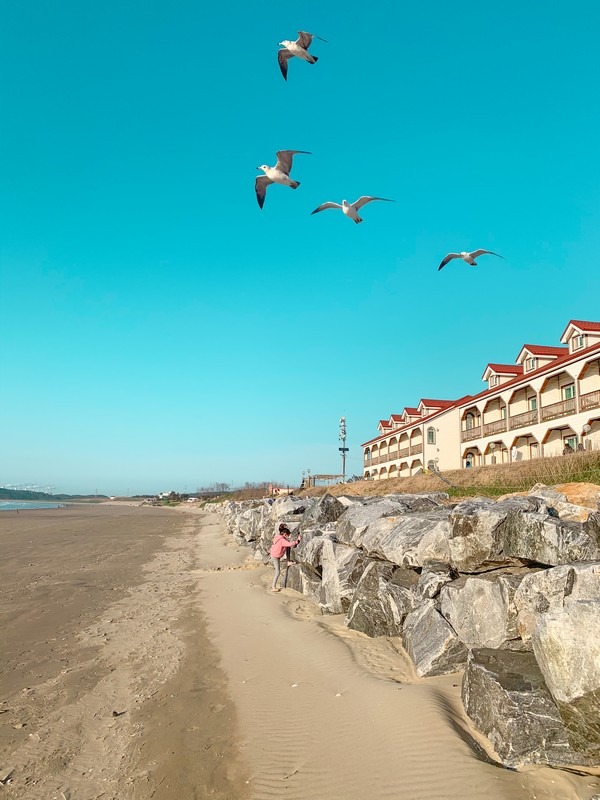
<point x="584" y="432"/>
<point x="343" y="449"/>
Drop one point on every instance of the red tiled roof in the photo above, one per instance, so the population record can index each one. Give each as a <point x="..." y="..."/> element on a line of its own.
<point x="412" y="412"/>
<point x="385" y="423"/>
<point x="396" y="417"/>
<point x="581" y="325"/>
<point x="409" y="425"/>
<point x="543" y="350"/>
<point x="506" y="369"/>
<point x="437" y="403"/>
<point x="564" y="358"/>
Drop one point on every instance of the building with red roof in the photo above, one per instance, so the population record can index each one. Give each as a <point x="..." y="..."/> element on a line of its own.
<point x="546" y="403"/>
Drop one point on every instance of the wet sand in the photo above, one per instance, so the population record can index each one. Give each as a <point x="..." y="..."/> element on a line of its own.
<point x="144" y="657"/>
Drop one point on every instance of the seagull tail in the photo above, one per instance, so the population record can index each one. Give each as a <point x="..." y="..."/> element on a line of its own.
<point x="295" y="184"/>
<point x="315" y="59"/>
<point x="358" y="220"/>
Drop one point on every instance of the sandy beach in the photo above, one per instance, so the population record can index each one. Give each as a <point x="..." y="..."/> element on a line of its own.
<point x="144" y="657"/>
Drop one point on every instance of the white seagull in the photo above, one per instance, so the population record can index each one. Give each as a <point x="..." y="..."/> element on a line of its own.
<point x="298" y="48"/>
<point x="468" y="257"/>
<point x="280" y="173"/>
<point x="351" y="209"/>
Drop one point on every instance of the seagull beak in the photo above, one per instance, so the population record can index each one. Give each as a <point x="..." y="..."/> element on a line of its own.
<point x="258" y="168"/>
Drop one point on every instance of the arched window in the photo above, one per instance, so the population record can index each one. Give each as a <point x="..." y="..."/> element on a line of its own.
<point x="430" y="435"/>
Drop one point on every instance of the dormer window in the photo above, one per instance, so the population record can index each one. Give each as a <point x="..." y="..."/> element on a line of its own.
<point x="578" y="342"/>
<point x="530" y="364"/>
<point x="493" y="381"/>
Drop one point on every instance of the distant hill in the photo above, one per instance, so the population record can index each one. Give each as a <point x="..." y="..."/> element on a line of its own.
<point x="24" y="494"/>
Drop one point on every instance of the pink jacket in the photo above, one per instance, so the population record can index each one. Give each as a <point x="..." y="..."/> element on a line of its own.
<point x="280" y="544"/>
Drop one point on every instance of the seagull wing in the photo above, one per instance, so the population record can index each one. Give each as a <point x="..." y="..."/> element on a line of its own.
<point x="362" y="201"/>
<point x="304" y="39"/>
<point x="477" y="253"/>
<point x="448" y="258"/>
<point x="283" y="56"/>
<point x="323" y="206"/>
<point x="260" y="187"/>
<point x="284" y="159"/>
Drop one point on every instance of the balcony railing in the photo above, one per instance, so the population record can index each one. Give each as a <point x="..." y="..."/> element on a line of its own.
<point x="499" y="426"/>
<point x="470" y="434"/>
<point x="561" y="409"/>
<point x="416" y="448"/>
<point x="404" y="451"/>
<point x="392" y="455"/>
<point x="523" y="420"/>
<point x="589" y="400"/>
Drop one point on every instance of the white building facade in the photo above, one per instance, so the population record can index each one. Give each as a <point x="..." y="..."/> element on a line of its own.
<point x="546" y="403"/>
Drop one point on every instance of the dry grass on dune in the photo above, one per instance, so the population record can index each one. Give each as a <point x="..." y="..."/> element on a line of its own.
<point x="491" y="480"/>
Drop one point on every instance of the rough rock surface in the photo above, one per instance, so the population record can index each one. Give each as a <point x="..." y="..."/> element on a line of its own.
<point x="566" y="643"/>
<point x="481" y="608"/>
<point x="550" y="589"/>
<point x="535" y="536"/>
<point x="383" y="597"/>
<point x="432" y="645"/>
<point x="505" y="695"/>
<point x="476" y="532"/>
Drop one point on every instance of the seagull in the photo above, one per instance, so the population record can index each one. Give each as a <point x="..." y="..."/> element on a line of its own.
<point x="468" y="257"/>
<point x="298" y="48"/>
<point x="280" y="173"/>
<point x="351" y="209"/>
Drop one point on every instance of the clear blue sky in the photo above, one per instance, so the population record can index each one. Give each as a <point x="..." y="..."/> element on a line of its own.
<point x="158" y="330"/>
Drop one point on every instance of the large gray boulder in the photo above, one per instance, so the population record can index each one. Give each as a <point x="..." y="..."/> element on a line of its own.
<point x="545" y="539"/>
<point x="302" y="579"/>
<point x="289" y="504"/>
<point x="342" y="569"/>
<point x="384" y="595"/>
<point x="326" y="509"/>
<point x="481" y="607"/>
<point x="411" y="540"/>
<point x="431" y="643"/>
<point x="566" y="643"/>
<point x="476" y="533"/>
<point x="356" y="518"/>
<point x="505" y="696"/>
<point x="550" y="589"/>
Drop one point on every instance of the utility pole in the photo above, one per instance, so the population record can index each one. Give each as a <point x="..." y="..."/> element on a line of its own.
<point x="343" y="449"/>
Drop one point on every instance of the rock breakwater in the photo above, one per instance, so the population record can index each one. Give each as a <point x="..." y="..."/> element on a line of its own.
<point x="506" y="591"/>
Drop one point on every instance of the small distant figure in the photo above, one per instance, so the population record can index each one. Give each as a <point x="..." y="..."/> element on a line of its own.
<point x="514" y="454"/>
<point x="567" y="449"/>
<point x="281" y="542"/>
<point x="580" y="447"/>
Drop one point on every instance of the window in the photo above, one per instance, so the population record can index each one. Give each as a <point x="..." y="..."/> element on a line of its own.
<point x="493" y="380"/>
<point x="568" y="392"/>
<point x="570" y="441"/>
<point x="470" y="422"/>
<point x="503" y="412"/>
<point x="578" y="342"/>
<point x="533" y="403"/>
<point x="530" y="364"/>
<point x="430" y="435"/>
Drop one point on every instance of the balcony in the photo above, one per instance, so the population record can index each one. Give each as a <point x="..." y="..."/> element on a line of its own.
<point x="471" y="433"/>
<point x="589" y="400"/>
<point x="403" y="452"/>
<point x="523" y="420"/>
<point x="415" y="449"/>
<point x="392" y="455"/>
<point x="491" y="428"/>
<point x="555" y="410"/>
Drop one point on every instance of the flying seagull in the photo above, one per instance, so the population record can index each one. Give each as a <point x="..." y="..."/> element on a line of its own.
<point x="351" y="209"/>
<point x="280" y="173"/>
<point x="468" y="257"/>
<point x="298" y="48"/>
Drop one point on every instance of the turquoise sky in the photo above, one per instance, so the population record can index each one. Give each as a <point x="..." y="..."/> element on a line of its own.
<point x="160" y="331"/>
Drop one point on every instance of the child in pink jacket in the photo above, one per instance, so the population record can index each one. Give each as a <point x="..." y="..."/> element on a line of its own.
<point x="281" y="542"/>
